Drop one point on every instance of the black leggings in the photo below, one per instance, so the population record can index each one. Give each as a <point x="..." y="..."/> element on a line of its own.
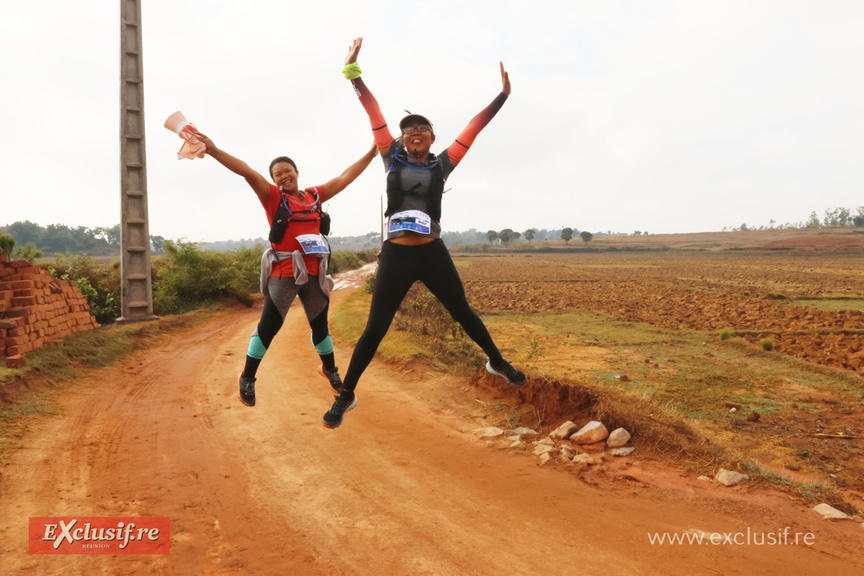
<point x="271" y="321"/>
<point x="399" y="267"/>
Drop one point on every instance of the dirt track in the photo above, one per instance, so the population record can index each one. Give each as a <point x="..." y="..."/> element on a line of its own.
<point x="401" y="488"/>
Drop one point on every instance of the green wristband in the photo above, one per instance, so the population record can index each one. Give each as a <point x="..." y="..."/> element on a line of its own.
<point x="351" y="71"/>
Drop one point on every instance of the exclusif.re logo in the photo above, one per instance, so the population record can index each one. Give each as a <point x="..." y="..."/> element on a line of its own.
<point x="95" y="535"/>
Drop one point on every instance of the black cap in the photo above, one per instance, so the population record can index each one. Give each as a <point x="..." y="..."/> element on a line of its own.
<point x="413" y="119"/>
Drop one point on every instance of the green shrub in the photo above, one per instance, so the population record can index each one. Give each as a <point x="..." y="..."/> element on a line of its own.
<point x="350" y="260"/>
<point x="99" y="283"/>
<point x="726" y="333"/>
<point x="767" y="344"/>
<point x="7" y="243"/>
<point x="188" y="278"/>
<point x="423" y="314"/>
<point x="369" y="284"/>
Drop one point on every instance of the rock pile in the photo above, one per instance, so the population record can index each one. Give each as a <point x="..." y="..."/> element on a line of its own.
<point x="35" y="309"/>
<point x="568" y="443"/>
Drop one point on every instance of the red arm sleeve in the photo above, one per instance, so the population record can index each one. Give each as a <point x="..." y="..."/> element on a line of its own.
<point x="460" y="146"/>
<point x="382" y="135"/>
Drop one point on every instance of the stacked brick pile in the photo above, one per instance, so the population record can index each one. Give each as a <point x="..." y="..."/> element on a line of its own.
<point x="35" y="309"/>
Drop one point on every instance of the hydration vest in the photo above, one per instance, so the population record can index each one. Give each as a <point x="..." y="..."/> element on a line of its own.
<point x="395" y="192"/>
<point x="284" y="216"/>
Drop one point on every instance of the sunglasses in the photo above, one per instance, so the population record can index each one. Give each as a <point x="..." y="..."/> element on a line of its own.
<point x="419" y="128"/>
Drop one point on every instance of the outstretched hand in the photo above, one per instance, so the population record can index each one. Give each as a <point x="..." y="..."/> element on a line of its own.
<point x="505" y="80"/>
<point x="353" y="51"/>
<point x="207" y="142"/>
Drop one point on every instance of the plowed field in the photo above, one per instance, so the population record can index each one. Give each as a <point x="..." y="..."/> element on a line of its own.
<point x="756" y="296"/>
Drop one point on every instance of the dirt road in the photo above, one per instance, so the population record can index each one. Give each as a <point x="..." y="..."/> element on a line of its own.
<point x="403" y="487"/>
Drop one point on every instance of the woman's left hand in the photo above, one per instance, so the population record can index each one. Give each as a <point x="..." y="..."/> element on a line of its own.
<point x="505" y="80"/>
<point x="353" y="51"/>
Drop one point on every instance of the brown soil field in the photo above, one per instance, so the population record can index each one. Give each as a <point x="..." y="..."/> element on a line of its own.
<point x="754" y="294"/>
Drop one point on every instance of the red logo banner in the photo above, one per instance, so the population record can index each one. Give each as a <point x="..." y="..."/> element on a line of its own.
<point x="105" y="535"/>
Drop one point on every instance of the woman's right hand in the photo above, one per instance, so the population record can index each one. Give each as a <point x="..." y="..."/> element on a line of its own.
<point x="207" y="142"/>
<point x="353" y="51"/>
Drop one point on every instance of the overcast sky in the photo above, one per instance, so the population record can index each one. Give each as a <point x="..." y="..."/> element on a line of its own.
<point x="661" y="116"/>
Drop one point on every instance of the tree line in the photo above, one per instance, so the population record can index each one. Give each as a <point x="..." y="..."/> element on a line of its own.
<point x="33" y="240"/>
<point x="59" y="238"/>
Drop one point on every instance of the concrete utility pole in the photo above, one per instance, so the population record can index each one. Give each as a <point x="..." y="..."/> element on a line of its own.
<point x="136" y="286"/>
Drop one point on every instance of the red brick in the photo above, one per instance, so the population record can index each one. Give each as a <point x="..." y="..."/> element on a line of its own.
<point x="23" y="284"/>
<point x="13" y="350"/>
<point x="19" y="264"/>
<point x="19" y="312"/>
<point x="15" y="361"/>
<point x="24" y="301"/>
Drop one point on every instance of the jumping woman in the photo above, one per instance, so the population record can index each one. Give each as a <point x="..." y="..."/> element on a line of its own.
<point x="296" y="263"/>
<point x="412" y="249"/>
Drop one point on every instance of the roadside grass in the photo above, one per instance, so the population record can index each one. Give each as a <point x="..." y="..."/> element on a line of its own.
<point x="454" y="354"/>
<point x="669" y="388"/>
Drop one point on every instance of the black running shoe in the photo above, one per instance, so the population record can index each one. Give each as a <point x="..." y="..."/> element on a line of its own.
<point x="332" y="377"/>
<point x="247" y="390"/>
<point x="344" y="402"/>
<point x="506" y="370"/>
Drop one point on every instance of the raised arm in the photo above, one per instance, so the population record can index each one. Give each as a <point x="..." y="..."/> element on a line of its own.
<point x="383" y="137"/>
<point x="350" y="174"/>
<point x="258" y="183"/>
<point x="463" y="142"/>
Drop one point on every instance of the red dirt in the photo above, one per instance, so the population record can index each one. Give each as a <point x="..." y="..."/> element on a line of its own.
<point x="403" y="487"/>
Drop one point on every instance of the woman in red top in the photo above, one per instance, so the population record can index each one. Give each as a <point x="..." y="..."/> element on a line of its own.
<point x="295" y="264"/>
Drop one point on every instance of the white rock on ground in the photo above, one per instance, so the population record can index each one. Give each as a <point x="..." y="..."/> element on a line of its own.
<point x="541" y="449"/>
<point x="618" y="438"/>
<point x="544" y="458"/>
<point x="591" y="433"/>
<point x="564" y="430"/>
<point x="545" y="441"/>
<point x="586" y="458"/>
<point x="704" y="478"/>
<point x="729" y="477"/>
<point x="622" y="451"/>
<point x="830" y="513"/>
<point x="489" y="432"/>
<point x="517" y="444"/>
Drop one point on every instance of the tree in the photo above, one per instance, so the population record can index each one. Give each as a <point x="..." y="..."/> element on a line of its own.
<point x="7" y="243"/>
<point x="158" y="244"/>
<point x="506" y="235"/>
<point x="587" y="236"/>
<point x="29" y="252"/>
<point x="529" y="234"/>
<point x="491" y="235"/>
<point x="26" y="231"/>
<point x="58" y="238"/>
<point x="567" y="235"/>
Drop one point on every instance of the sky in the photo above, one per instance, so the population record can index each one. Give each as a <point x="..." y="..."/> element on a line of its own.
<point x="661" y="116"/>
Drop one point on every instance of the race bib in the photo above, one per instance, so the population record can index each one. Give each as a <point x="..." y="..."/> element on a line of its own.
<point x="412" y="220"/>
<point x="313" y="244"/>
